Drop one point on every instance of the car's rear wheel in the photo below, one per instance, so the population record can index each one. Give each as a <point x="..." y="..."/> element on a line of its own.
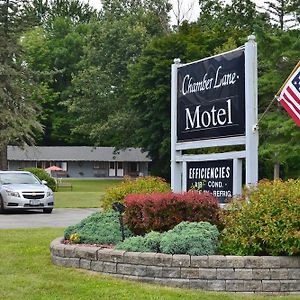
<point x="47" y="210"/>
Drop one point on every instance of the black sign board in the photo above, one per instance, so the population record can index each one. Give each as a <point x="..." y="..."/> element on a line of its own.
<point x="211" y="97"/>
<point x="215" y="177"/>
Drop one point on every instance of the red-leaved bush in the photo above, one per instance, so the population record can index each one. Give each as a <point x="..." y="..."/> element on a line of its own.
<point x="162" y="211"/>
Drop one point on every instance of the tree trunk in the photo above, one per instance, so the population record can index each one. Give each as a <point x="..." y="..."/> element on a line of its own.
<point x="276" y="170"/>
<point x="3" y="158"/>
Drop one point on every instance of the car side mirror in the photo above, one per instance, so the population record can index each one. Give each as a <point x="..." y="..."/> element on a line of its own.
<point x="44" y="182"/>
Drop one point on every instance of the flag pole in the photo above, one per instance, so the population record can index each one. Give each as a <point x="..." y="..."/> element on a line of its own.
<point x="267" y="109"/>
<point x="278" y="93"/>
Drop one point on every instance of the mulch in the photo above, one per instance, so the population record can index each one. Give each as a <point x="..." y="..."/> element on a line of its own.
<point x="101" y="246"/>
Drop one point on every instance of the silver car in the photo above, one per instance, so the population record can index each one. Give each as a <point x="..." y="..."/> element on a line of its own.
<point x="23" y="190"/>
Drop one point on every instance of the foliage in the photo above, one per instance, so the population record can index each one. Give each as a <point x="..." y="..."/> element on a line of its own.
<point x="162" y="211"/>
<point x="53" y="54"/>
<point x="98" y="228"/>
<point x="99" y="96"/>
<point x="278" y="54"/>
<point x="43" y="175"/>
<point x="285" y="13"/>
<point x="191" y="238"/>
<point x="185" y="238"/>
<point x="18" y="114"/>
<point x="148" y="184"/>
<point x="280" y="138"/>
<point x="267" y="224"/>
<point x="148" y="243"/>
<point x="45" y="11"/>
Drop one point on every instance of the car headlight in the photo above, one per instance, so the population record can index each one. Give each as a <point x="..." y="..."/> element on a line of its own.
<point x="12" y="193"/>
<point x="49" y="193"/>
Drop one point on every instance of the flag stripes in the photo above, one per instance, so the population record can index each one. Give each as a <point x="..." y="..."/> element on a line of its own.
<point x="290" y="109"/>
<point x="292" y="99"/>
<point x="290" y="96"/>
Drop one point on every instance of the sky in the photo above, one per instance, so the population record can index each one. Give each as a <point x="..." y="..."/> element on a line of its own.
<point x="192" y="16"/>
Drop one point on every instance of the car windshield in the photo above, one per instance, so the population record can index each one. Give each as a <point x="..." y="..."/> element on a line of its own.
<point x="18" y="178"/>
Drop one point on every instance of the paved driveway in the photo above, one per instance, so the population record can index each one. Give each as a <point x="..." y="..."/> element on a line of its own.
<point x="60" y="217"/>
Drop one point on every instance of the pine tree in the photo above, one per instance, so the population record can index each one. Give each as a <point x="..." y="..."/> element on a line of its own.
<point x="285" y="13"/>
<point x="17" y="113"/>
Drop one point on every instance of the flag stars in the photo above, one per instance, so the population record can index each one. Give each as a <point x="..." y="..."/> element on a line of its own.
<point x="296" y="82"/>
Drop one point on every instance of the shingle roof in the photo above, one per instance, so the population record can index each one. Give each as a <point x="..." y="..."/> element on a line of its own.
<point x="75" y="153"/>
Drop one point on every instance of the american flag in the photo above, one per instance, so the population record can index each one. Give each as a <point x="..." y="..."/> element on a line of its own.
<point x="290" y="95"/>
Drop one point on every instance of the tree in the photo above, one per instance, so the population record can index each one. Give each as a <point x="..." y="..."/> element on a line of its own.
<point x="150" y="99"/>
<point x="285" y="13"/>
<point x="279" y="136"/>
<point x="182" y="10"/>
<point x="18" y="114"/>
<point x="46" y="11"/>
<point x="99" y="91"/>
<point x="53" y="53"/>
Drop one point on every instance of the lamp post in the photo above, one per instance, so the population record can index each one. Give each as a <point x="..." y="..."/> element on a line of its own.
<point x="120" y="208"/>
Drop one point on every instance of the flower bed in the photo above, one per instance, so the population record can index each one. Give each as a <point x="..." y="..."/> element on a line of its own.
<point x="254" y="274"/>
<point x="186" y="230"/>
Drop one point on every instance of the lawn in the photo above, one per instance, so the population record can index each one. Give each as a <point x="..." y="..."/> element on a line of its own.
<point x="26" y="272"/>
<point x="84" y="193"/>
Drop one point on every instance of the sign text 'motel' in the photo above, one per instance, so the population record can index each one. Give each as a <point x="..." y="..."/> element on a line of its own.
<point x="211" y="97"/>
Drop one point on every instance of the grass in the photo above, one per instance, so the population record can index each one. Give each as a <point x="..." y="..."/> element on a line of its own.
<point x="77" y="199"/>
<point x="90" y="185"/>
<point x="27" y="273"/>
<point x="84" y="193"/>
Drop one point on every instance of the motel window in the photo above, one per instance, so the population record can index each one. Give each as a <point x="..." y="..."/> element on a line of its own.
<point x="39" y="165"/>
<point x="134" y="167"/>
<point x="100" y="165"/>
<point x="63" y="165"/>
<point x="28" y="164"/>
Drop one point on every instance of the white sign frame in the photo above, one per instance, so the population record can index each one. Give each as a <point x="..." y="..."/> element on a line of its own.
<point x="250" y="139"/>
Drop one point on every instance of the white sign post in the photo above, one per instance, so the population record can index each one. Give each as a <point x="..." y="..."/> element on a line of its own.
<point x="251" y="111"/>
<point x="216" y="112"/>
<point x="176" y="167"/>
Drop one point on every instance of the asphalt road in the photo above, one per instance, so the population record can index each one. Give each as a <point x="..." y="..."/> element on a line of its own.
<point x="60" y="217"/>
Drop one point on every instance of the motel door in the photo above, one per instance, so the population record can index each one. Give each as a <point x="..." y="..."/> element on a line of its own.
<point x="116" y="169"/>
<point x="120" y="171"/>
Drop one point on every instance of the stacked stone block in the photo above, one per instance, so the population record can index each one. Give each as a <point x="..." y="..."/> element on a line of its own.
<point x="249" y="274"/>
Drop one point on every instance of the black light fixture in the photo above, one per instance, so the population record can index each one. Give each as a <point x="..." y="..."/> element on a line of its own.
<point x="120" y="208"/>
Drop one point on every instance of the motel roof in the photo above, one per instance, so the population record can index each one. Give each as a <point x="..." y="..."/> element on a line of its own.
<point x="75" y="153"/>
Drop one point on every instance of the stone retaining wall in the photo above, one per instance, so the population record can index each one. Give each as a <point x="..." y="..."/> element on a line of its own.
<point x="251" y="274"/>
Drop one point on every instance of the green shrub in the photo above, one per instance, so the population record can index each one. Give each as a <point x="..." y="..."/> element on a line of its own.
<point x="149" y="243"/>
<point x="186" y="238"/>
<point x="191" y="238"/>
<point x="267" y="224"/>
<point x="141" y="185"/>
<point x="102" y="228"/>
<point x="43" y="175"/>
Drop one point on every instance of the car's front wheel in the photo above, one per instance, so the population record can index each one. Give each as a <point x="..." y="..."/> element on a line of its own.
<point x="1" y="205"/>
<point x="47" y="210"/>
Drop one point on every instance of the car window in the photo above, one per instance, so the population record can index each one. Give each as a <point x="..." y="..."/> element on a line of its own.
<point x="18" y="178"/>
